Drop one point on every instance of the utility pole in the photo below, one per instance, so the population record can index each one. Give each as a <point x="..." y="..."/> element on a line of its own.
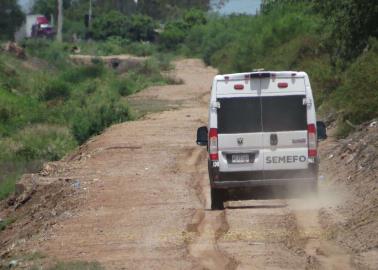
<point x="90" y="14"/>
<point x="60" y="21"/>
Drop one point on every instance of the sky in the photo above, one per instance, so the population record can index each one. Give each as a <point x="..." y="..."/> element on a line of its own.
<point x="241" y="6"/>
<point x="26" y="4"/>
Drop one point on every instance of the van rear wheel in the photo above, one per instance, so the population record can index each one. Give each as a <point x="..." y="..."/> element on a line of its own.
<point x="218" y="196"/>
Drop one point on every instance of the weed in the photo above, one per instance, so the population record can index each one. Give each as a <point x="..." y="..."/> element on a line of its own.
<point x="96" y="118"/>
<point x="7" y="185"/>
<point x="36" y="255"/>
<point x="141" y="48"/>
<point x="6" y="222"/>
<point x="343" y="130"/>
<point x="55" y="89"/>
<point x="82" y="73"/>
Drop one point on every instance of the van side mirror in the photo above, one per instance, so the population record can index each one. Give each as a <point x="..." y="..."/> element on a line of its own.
<point x="321" y="130"/>
<point x="202" y="136"/>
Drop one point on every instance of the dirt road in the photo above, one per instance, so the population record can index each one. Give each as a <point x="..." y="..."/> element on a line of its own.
<point x="147" y="200"/>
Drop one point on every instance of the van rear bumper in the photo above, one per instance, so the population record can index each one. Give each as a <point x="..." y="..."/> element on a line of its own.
<point x="261" y="183"/>
<point x="262" y="178"/>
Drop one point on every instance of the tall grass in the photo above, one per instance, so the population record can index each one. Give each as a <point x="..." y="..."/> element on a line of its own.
<point x="48" y="105"/>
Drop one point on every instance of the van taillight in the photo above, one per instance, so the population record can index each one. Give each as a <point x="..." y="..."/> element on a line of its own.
<point x="312" y="143"/>
<point x="283" y="85"/>
<point x="213" y="144"/>
<point x="238" y="86"/>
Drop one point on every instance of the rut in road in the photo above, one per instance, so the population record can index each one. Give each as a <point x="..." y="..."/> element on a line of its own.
<point x="208" y="225"/>
<point x="320" y="253"/>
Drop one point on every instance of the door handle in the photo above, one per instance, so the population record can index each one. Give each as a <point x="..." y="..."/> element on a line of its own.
<point x="273" y="139"/>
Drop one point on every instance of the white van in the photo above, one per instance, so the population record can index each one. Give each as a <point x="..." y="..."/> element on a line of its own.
<point x="262" y="131"/>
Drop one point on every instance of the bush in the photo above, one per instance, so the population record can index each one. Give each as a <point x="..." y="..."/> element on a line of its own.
<point x="141" y="48"/>
<point x="73" y="28"/>
<point x="55" y="89"/>
<point x="95" y="119"/>
<point x="7" y="186"/>
<point x="141" y="28"/>
<point x="43" y="142"/>
<point x="174" y="33"/>
<point x="125" y="86"/>
<point x="194" y="17"/>
<point x="82" y="73"/>
<point x="111" y="46"/>
<point x="357" y="97"/>
<point x="18" y="111"/>
<point x="113" y="23"/>
<point x="55" y="53"/>
<point x="9" y="77"/>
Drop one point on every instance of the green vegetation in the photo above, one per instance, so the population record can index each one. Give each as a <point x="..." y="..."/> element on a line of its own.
<point x="136" y="27"/>
<point x="335" y="42"/>
<point x="124" y="18"/>
<point x="116" y="45"/>
<point x="175" y="32"/>
<point x="49" y="105"/>
<point x="11" y="17"/>
<point x="5" y="223"/>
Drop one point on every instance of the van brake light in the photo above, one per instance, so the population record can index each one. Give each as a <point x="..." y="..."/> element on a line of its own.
<point x="238" y="86"/>
<point x="312" y="143"/>
<point x="213" y="144"/>
<point x="260" y="75"/>
<point x="283" y="85"/>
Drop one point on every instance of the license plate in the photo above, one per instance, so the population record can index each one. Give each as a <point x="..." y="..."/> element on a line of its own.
<point x="240" y="158"/>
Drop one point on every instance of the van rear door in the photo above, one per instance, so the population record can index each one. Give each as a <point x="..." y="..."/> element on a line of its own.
<point x="240" y="137"/>
<point x="284" y="124"/>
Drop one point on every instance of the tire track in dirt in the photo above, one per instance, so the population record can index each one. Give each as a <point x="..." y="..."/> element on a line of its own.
<point x="320" y="253"/>
<point x="208" y="226"/>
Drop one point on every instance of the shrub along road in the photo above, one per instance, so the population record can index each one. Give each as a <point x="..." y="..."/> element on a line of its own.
<point x="145" y="200"/>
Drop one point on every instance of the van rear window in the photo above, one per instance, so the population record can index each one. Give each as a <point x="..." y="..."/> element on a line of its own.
<point x="285" y="113"/>
<point x="261" y="114"/>
<point x="239" y="115"/>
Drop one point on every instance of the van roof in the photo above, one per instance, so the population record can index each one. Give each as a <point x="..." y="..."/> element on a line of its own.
<point x="261" y="74"/>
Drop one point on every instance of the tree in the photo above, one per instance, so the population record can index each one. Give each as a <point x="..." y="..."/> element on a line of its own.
<point x="353" y="22"/>
<point x="11" y="18"/>
<point x="60" y="21"/>
<point x="136" y="27"/>
<point x="48" y="7"/>
<point x="174" y="33"/>
<point x="194" y="17"/>
<point x="45" y="7"/>
<point x="113" y="23"/>
<point x="141" y="27"/>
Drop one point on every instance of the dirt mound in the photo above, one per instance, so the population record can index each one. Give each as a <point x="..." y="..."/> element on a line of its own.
<point x="39" y="202"/>
<point x="352" y="164"/>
